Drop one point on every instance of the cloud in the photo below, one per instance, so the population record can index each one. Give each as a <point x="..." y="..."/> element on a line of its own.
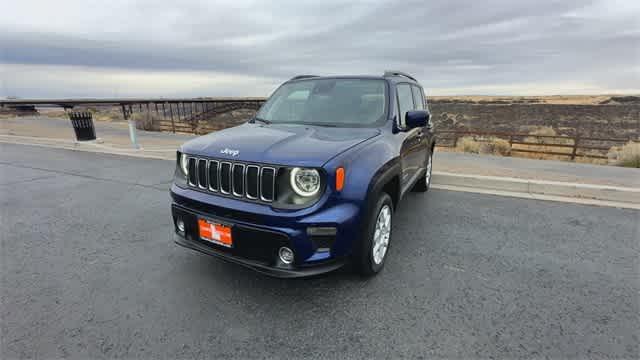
<point x="154" y="48"/>
<point x="83" y="82"/>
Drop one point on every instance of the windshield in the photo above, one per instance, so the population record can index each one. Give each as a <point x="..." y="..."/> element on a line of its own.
<point x="328" y="102"/>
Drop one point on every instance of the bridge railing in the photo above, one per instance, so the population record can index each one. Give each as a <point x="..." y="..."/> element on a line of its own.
<point x="172" y="114"/>
<point x="189" y="115"/>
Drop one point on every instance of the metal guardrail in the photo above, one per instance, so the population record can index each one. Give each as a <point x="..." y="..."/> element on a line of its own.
<point x="174" y="111"/>
<point x="122" y="101"/>
<point x="180" y="109"/>
<point x="451" y="137"/>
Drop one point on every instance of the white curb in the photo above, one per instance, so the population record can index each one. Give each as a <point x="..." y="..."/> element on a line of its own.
<point x="541" y="187"/>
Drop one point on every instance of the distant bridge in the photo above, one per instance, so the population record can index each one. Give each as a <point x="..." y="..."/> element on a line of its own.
<point x="173" y="111"/>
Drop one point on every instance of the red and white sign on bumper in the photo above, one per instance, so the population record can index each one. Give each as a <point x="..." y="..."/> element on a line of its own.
<point x="215" y="233"/>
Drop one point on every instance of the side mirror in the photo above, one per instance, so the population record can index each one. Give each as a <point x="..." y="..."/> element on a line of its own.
<point x="417" y="118"/>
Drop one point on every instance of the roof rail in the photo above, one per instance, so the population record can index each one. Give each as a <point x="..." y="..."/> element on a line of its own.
<point x="298" y="77"/>
<point x="398" y="73"/>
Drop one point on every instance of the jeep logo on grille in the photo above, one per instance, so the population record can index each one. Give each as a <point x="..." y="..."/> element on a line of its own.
<point x="231" y="152"/>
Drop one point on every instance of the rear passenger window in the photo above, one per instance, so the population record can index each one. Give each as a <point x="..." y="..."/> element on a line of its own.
<point x="405" y="101"/>
<point x="418" y="98"/>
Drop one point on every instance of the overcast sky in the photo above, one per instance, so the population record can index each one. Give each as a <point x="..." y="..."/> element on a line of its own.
<point x="82" y="48"/>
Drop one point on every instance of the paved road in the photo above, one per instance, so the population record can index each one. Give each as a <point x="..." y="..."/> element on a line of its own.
<point x="88" y="271"/>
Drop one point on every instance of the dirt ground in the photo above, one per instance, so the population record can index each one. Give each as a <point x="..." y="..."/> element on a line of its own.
<point x="554" y="99"/>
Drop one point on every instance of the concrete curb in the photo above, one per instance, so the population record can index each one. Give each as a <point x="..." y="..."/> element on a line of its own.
<point x="540" y="187"/>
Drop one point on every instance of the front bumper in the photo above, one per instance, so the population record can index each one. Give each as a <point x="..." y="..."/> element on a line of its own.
<point x="259" y="231"/>
<point x="258" y="266"/>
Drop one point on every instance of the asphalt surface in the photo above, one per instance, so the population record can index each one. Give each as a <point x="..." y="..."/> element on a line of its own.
<point x="89" y="271"/>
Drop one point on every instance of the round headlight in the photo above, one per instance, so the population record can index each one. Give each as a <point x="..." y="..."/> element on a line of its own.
<point x="184" y="164"/>
<point x="305" y="182"/>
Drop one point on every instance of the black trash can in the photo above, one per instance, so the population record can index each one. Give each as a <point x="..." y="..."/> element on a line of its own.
<point x="83" y="125"/>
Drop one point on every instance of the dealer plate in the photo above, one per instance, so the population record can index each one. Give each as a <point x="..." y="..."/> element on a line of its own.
<point x="215" y="233"/>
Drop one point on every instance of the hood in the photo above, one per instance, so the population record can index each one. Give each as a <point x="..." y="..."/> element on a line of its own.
<point x="282" y="144"/>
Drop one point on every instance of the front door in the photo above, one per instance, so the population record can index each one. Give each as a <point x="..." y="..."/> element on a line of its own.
<point x="412" y="150"/>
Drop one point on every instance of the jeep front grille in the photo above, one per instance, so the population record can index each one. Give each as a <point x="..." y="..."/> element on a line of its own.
<point x="235" y="179"/>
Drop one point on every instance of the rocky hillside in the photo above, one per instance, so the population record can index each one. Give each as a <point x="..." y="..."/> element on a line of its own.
<point x="603" y="116"/>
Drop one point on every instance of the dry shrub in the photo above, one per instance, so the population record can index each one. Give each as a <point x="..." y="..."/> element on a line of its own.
<point x="146" y="120"/>
<point x="490" y="145"/>
<point x="469" y="145"/>
<point x="591" y="160"/>
<point x="544" y="130"/>
<point x="495" y="146"/>
<point x="627" y="155"/>
<point x="6" y="115"/>
<point x="544" y="144"/>
<point x="53" y="113"/>
<point x="105" y="113"/>
<point x="547" y="131"/>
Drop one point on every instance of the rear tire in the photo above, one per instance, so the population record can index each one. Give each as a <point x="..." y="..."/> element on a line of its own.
<point x="424" y="183"/>
<point x="374" y="245"/>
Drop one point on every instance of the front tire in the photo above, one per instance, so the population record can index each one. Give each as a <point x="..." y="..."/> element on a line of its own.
<point x="375" y="243"/>
<point x="424" y="184"/>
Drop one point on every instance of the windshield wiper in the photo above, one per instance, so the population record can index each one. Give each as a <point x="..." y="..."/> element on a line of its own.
<point x="261" y="120"/>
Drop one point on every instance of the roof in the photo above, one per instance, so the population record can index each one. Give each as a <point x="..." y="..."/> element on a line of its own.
<point x="394" y="76"/>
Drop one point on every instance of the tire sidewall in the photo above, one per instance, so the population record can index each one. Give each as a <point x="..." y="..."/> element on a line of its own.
<point x="421" y="184"/>
<point x="367" y="265"/>
<point x="429" y="160"/>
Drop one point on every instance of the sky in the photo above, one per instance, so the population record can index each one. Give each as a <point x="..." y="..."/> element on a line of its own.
<point x="82" y="48"/>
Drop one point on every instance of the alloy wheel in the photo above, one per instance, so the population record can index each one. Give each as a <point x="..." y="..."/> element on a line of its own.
<point x="427" y="177"/>
<point x="382" y="234"/>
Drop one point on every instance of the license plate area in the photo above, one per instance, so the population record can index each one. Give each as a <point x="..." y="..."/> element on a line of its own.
<point x="215" y="232"/>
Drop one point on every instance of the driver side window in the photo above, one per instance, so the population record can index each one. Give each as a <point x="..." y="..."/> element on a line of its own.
<point x="405" y="102"/>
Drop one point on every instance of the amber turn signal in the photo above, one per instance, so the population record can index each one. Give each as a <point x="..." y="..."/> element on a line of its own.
<point x="339" y="178"/>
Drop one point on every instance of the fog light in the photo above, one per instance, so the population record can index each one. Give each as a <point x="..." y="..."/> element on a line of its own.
<point x="180" y="225"/>
<point x="286" y="255"/>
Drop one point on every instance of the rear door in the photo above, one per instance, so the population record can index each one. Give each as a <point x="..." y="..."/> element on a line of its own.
<point x="410" y="151"/>
<point x="425" y="133"/>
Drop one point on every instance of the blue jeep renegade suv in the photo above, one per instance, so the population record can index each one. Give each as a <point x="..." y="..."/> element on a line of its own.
<point x="312" y="181"/>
